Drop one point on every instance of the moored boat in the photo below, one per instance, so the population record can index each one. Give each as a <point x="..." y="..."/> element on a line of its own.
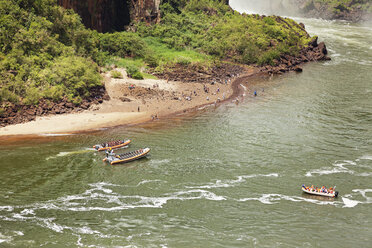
<point x="320" y="191"/>
<point x="113" y="158"/>
<point x="112" y="145"/>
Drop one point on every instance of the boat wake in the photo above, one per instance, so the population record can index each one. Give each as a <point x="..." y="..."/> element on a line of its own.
<point x="348" y="201"/>
<point x="276" y="198"/>
<point x="63" y="154"/>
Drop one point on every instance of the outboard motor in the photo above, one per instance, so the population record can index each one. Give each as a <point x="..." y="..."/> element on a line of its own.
<point x="97" y="147"/>
<point x="336" y="193"/>
<point x="110" y="153"/>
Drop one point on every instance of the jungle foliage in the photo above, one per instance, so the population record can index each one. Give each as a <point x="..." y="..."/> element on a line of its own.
<point x="46" y="52"/>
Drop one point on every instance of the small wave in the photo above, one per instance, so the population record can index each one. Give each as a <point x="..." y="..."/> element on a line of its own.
<point x="19" y="233"/>
<point x="6" y="208"/>
<point x="231" y="183"/>
<point x="6" y="239"/>
<point x="148" y="181"/>
<point x="365" y="174"/>
<point x="350" y="203"/>
<point x="339" y="167"/>
<point x="326" y="172"/>
<point x="159" y="161"/>
<point x="344" y="166"/>
<point x="63" y="154"/>
<point x="28" y="212"/>
<point x="365" y="157"/>
<point x="363" y="193"/>
<point x="203" y="194"/>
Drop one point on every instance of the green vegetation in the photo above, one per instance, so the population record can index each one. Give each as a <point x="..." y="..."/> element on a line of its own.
<point x="212" y="28"/>
<point x="338" y="6"/>
<point x="46" y="52"/>
<point x="133" y="72"/>
<point x="116" y="74"/>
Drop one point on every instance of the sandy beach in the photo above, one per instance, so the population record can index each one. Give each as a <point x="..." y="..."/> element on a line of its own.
<point x="133" y="102"/>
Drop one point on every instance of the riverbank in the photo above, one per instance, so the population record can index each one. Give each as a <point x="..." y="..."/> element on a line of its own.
<point x="137" y="101"/>
<point x="132" y="102"/>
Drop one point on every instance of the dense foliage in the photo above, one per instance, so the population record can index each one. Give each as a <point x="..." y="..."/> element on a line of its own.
<point x="46" y="52"/>
<point x="211" y="27"/>
<point x="43" y="50"/>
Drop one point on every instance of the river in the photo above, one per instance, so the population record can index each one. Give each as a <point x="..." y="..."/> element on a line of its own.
<point x="224" y="177"/>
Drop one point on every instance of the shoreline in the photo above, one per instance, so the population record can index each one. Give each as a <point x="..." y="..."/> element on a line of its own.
<point x="134" y="102"/>
<point x="116" y="112"/>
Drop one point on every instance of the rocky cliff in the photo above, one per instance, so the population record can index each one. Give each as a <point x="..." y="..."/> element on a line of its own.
<point x="113" y="15"/>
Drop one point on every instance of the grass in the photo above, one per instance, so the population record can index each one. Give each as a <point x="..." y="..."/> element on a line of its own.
<point x="170" y="55"/>
<point x="165" y="56"/>
<point x="149" y="76"/>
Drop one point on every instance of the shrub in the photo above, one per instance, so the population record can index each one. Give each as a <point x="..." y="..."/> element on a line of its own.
<point x="7" y="95"/>
<point x="32" y="96"/>
<point x="133" y="72"/>
<point x="54" y="93"/>
<point x="122" y="44"/>
<point x="183" y="61"/>
<point x="137" y="75"/>
<point x="152" y="60"/>
<point x="268" y="57"/>
<point x="116" y="74"/>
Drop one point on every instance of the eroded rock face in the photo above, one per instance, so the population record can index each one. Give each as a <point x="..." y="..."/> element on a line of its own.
<point x="113" y="15"/>
<point x="101" y="15"/>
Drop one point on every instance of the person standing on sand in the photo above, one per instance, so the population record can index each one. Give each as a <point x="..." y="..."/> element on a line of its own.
<point x="138" y="109"/>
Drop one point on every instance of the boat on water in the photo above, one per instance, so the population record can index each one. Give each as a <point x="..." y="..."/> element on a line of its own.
<point x="331" y="192"/>
<point x="112" y="145"/>
<point x="113" y="158"/>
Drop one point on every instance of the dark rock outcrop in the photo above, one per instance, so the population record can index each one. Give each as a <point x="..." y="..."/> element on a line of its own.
<point x="313" y="52"/>
<point x="113" y="15"/>
<point x="14" y="113"/>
